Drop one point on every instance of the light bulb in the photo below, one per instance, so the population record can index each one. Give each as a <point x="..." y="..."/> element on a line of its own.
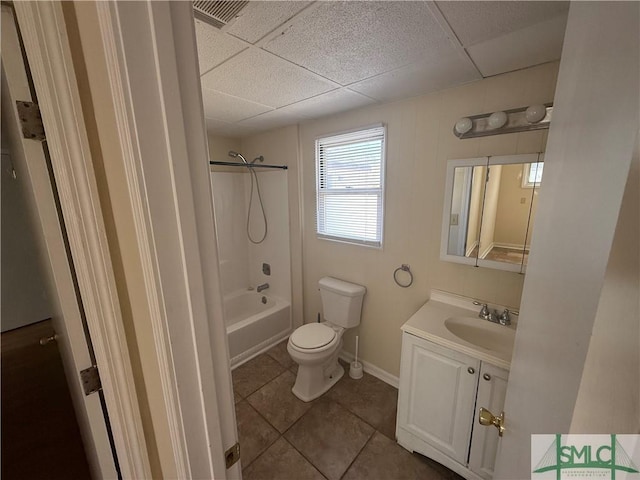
<point x="497" y="120"/>
<point x="464" y="125"/>
<point x="535" y="113"/>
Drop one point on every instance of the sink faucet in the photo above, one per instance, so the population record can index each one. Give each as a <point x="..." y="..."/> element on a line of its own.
<point x="262" y="287"/>
<point x="503" y="319"/>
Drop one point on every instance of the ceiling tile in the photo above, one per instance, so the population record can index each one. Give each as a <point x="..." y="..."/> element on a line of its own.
<point x="263" y="17"/>
<point x="224" y="129"/>
<point x="474" y="21"/>
<point x="226" y="107"/>
<point x="437" y="73"/>
<point x="338" y="100"/>
<point x="263" y="78"/>
<point x="351" y="41"/>
<point x="214" y="47"/>
<point x="272" y="119"/>
<point x="529" y="46"/>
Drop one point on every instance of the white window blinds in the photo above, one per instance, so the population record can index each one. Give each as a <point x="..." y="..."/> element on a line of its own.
<point x="350" y="186"/>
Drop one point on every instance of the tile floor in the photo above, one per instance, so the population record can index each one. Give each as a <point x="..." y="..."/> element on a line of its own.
<point x="283" y="438"/>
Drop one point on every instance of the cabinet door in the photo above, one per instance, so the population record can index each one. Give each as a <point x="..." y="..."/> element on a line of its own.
<point x="437" y="395"/>
<point x="492" y="388"/>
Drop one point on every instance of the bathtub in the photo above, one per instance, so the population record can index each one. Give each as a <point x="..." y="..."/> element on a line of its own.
<point x="255" y="322"/>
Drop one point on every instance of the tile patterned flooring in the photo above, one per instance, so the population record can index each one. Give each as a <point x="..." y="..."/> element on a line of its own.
<point x="282" y="437"/>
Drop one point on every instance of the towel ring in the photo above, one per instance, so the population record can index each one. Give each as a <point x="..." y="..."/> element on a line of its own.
<point x="405" y="268"/>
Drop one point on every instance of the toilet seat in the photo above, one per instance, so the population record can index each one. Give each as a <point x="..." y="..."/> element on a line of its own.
<point x="313" y="337"/>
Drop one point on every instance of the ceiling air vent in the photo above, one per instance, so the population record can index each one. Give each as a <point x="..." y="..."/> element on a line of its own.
<point x="217" y="13"/>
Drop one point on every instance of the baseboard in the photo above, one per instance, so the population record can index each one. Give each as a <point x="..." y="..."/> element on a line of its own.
<point x="371" y="369"/>
<point x="471" y="249"/>
<point x="485" y="252"/>
<point x="512" y="246"/>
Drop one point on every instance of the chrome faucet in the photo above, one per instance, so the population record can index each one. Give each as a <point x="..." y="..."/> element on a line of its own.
<point x="503" y="319"/>
<point x="262" y="287"/>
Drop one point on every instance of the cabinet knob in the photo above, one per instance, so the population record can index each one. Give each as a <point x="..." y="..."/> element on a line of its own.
<point x="486" y="376"/>
<point x="487" y="418"/>
<point x="471" y="370"/>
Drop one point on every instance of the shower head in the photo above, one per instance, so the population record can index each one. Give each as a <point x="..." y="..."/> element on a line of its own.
<point x="236" y="155"/>
<point x="257" y="159"/>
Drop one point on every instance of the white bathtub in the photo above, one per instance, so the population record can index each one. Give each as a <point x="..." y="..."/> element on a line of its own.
<point x="254" y="326"/>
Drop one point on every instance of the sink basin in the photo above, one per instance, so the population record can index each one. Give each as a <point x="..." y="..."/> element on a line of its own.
<point x="482" y="333"/>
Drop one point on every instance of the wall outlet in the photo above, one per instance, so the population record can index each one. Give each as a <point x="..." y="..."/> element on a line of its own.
<point x="454" y="219"/>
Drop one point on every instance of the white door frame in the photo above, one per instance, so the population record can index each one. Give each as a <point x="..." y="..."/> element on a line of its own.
<point x="31" y="166"/>
<point x="45" y="38"/>
<point x="153" y="72"/>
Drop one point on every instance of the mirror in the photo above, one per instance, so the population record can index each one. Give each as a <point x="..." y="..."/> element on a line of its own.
<point x="490" y="206"/>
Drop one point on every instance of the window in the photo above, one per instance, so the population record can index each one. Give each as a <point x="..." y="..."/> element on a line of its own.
<point x="350" y="186"/>
<point x="532" y="175"/>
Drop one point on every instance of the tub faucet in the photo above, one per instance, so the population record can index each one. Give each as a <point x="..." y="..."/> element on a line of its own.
<point x="262" y="287"/>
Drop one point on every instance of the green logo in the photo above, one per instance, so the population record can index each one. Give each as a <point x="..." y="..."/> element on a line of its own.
<point x="590" y="458"/>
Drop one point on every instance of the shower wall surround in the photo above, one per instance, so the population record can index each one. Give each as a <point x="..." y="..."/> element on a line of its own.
<point x="240" y="260"/>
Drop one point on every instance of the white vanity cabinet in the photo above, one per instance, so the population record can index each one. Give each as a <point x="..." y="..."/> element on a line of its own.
<point x="438" y="410"/>
<point x="492" y="388"/>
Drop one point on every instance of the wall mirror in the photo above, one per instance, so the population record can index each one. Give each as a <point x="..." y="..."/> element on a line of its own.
<point x="489" y="210"/>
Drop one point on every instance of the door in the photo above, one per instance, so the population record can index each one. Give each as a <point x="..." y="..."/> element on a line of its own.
<point x="437" y="395"/>
<point x="492" y="388"/>
<point x="30" y="160"/>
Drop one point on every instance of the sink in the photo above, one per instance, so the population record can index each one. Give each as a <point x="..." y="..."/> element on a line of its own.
<point x="482" y="333"/>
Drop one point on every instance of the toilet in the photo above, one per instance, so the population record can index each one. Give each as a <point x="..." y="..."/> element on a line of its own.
<point x="315" y="346"/>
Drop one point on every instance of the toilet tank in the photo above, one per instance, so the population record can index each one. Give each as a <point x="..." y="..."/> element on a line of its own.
<point x="341" y="301"/>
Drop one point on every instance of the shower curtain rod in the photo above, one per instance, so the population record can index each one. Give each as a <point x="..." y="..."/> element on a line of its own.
<point x="247" y="165"/>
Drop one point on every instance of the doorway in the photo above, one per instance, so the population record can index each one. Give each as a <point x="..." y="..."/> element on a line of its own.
<point x="50" y="428"/>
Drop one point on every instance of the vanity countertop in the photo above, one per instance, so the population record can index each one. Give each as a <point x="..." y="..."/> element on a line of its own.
<point x="429" y="323"/>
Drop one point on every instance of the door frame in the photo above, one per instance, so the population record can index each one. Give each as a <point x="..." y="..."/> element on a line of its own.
<point x="45" y="39"/>
<point x="152" y="66"/>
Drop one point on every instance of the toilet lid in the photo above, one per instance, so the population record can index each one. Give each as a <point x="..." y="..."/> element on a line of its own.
<point x="312" y="335"/>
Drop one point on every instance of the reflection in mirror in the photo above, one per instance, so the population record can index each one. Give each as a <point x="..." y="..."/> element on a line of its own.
<point x="532" y="178"/>
<point x="510" y="199"/>
<point x="466" y="211"/>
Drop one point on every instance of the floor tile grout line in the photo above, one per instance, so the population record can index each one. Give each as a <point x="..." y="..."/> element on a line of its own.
<point x="360" y="418"/>
<point x="268" y="381"/>
<point x="358" y="454"/>
<point x="268" y="446"/>
<point x="305" y="457"/>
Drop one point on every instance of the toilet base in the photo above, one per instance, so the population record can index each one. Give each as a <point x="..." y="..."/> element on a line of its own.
<point x="313" y="381"/>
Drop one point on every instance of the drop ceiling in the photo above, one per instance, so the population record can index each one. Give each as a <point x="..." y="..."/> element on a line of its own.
<point x="283" y="62"/>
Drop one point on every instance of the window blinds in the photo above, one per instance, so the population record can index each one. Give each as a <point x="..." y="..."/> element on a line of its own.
<point x="350" y="186"/>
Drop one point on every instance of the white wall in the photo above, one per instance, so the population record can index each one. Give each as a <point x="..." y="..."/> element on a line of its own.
<point x="591" y="143"/>
<point x="611" y="375"/>
<point x="419" y="143"/>
<point x="25" y="297"/>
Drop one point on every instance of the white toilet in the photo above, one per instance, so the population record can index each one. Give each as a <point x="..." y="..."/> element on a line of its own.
<point x="315" y="346"/>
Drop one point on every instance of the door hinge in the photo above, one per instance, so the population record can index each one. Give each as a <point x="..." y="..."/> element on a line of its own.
<point x="90" y="380"/>
<point x="31" y="120"/>
<point x="232" y="455"/>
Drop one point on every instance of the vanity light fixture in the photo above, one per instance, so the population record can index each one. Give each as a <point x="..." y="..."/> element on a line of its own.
<point x="497" y="120"/>
<point x="535" y="113"/>
<point x="464" y="125"/>
<point x="534" y="117"/>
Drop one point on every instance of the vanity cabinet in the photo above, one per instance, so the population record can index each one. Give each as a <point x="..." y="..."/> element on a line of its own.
<point x="441" y="392"/>
<point x="492" y="388"/>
